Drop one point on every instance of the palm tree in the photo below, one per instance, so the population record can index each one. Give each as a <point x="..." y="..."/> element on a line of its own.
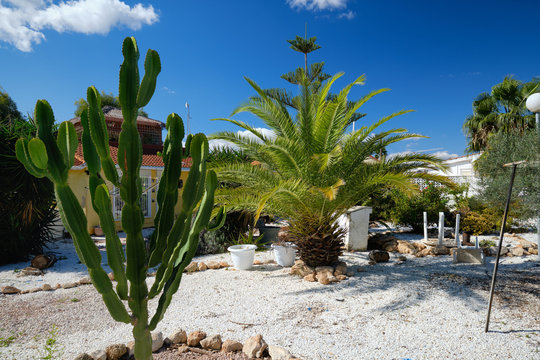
<point x="312" y="170"/>
<point x="502" y="110"/>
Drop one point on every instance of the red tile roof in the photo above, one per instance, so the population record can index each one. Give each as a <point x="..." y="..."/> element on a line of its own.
<point x="150" y="156"/>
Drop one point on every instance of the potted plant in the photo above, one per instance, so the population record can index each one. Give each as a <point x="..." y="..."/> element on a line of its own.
<point x="284" y="251"/>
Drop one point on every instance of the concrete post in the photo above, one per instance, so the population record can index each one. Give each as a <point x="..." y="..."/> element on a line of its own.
<point x="425" y="226"/>
<point x="356" y="223"/>
<point x="458" y="217"/>
<point x="441" y="228"/>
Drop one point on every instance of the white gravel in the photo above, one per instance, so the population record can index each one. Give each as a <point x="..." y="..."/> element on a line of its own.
<point x="425" y="308"/>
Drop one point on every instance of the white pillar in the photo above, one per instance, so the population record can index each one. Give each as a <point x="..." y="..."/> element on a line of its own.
<point x="476" y="244"/>
<point x="538" y="230"/>
<point x="458" y="216"/>
<point x="425" y="226"/>
<point x="441" y="228"/>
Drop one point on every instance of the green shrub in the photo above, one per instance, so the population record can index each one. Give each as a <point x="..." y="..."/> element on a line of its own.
<point x="408" y="211"/>
<point x="478" y="223"/>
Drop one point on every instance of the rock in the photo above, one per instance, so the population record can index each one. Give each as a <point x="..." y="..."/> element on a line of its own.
<point x="8" y="290"/>
<point x="157" y="341"/>
<point x="202" y="266"/>
<point x="419" y="245"/>
<point x="100" y="354"/>
<point x="46" y="287"/>
<point x="341" y="268"/>
<point x="257" y="262"/>
<point x="517" y="251"/>
<point x="533" y="251"/>
<point x="390" y="246"/>
<point x="341" y="277"/>
<point x="323" y="278"/>
<point x="310" y="277"/>
<point x="231" y="346"/>
<point x="402" y="258"/>
<point x="301" y="269"/>
<point x="212" y="342"/>
<point x="24" y="291"/>
<point x="85" y="281"/>
<point x="69" y="285"/>
<point x="279" y="353"/>
<point x="183" y="349"/>
<point x="57" y="286"/>
<point x="116" y="351"/>
<point x="223" y="264"/>
<point x="379" y="256"/>
<point x="213" y="265"/>
<point x="427" y="251"/>
<point x="195" y="338"/>
<point x="111" y="276"/>
<point x="360" y="269"/>
<point x="34" y="290"/>
<point x="371" y="262"/>
<point x="31" y="271"/>
<point x="178" y="337"/>
<point x="441" y="250"/>
<point x="41" y="262"/>
<point x="254" y="346"/>
<point x="527" y="243"/>
<point x="84" y="356"/>
<point x="405" y="247"/>
<point x="131" y="347"/>
<point x="191" y="267"/>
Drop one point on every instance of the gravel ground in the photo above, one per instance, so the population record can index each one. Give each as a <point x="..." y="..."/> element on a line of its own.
<point x="424" y="308"/>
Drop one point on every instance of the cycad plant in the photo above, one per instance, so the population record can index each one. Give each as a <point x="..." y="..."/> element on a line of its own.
<point x="175" y="239"/>
<point x="313" y="169"/>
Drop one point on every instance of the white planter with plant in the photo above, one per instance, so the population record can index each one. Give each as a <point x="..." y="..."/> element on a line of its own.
<point x="242" y="255"/>
<point x="284" y="253"/>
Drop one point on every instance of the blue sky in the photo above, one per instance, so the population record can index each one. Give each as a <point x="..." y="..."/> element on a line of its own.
<point x="436" y="56"/>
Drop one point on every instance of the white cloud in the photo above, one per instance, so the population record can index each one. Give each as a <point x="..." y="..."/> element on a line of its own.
<point x="349" y="15"/>
<point x="445" y="155"/>
<point x="22" y="21"/>
<point x="217" y="143"/>
<point x="169" y="91"/>
<point x="318" y="4"/>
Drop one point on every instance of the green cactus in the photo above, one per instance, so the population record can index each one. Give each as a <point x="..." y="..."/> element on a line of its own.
<point x="174" y="241"/>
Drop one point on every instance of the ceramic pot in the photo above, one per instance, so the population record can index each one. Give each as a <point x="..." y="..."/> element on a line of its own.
<point x="242" y="256"/>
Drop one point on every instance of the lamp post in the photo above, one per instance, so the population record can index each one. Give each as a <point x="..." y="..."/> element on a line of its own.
<point x="533" y="104"/>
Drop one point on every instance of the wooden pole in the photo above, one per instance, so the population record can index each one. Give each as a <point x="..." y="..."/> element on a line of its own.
<point x="494" y="278"/>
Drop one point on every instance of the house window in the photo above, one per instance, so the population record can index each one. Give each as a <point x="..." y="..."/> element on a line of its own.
<point x="145" y="200"/>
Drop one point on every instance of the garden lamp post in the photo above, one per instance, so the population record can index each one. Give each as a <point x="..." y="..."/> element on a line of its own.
<point x="533" y="104"/>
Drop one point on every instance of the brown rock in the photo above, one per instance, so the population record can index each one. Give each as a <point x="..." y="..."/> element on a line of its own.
<point x="379" y="255"/>
<point x="213" y="265"/>
<point x="323" y="278"/>
<point x="279" y="353"/>
<point x="517" y="251"/>
<point x="402" y="258"/>
<point x="24" y="291"/>
<point x="157" y="341"/>
<point x="341" y="277"/>
<point x="111" y="276"/>
<point x="183" y="349"/>
<point x="178" y="337"/>
<point x="191" y="267"/>
<point x="390" y="246"/>
<point x="34" y="290"/>
<point x="533" y="251"/>
<point x="405" y="247"/>
<point x="69" y="285"/>
<point x="8" y="290"/>
<point x="85" y="281"/>
<point x="84" y="357"/>
<point x="301" y="269"/>
<point x="195" y="338"/>
<point x="212" y="342"/>
<point x="223" y="264"/>
<point x="419" y="245"/>
<point x="57" y="286"/>
<point x="371" y="262"/>
<point x="257" y="262"/>
<point x="341" y="268"/>
<point x="202" y="266"/>
<point x="254" y="346"/>
<point x="441" y="250"/>
<point x="101" y="354"/>
<point x="310" y="277"/>
<point x="46" y="287"/>
<point x="41" y="262"/>
<point x="116" y="351"/>
<point x="31" y="271"/>
<point x="231" y="346"/>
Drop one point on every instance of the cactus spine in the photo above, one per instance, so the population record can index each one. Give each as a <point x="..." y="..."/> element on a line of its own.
<point x="174" y="242"/>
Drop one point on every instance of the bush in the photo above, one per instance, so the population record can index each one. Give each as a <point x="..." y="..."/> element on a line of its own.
<point x="408" y="211"/>
<point x="478" y="223"/>
<point x="26" y="203"/>
<point x="215" y="242"/>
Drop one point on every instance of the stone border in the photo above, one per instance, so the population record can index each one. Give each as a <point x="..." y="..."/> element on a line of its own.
<point x="197" y="342"/>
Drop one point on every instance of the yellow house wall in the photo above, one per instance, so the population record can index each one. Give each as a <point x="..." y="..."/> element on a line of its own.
<point x="78" y="181"/>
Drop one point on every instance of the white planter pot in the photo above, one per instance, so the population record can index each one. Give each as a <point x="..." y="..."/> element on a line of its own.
<point x="242" y="256"/>
<point x="284" y="255"/>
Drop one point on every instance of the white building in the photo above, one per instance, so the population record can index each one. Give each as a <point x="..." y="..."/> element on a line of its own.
<point x="461" y="171"/>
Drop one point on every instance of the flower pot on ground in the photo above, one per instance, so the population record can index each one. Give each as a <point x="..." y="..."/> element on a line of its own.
<point x="284" y="253"/>
<point x="98" y="231"/>
<point x="269" y="234"/>
<point x="242" y="255"/>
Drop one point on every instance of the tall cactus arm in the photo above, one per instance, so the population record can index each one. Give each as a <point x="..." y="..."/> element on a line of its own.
<point x="152" y="68"/>
<point x="67" y="142"/>
<point x="129" y="80"/>
<point x="186" y="249"/>
<point x="102" y="204"/>
<point x="168" y="187"/>
<point x="99" y="134"/>
<point x="23" y="155"/>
